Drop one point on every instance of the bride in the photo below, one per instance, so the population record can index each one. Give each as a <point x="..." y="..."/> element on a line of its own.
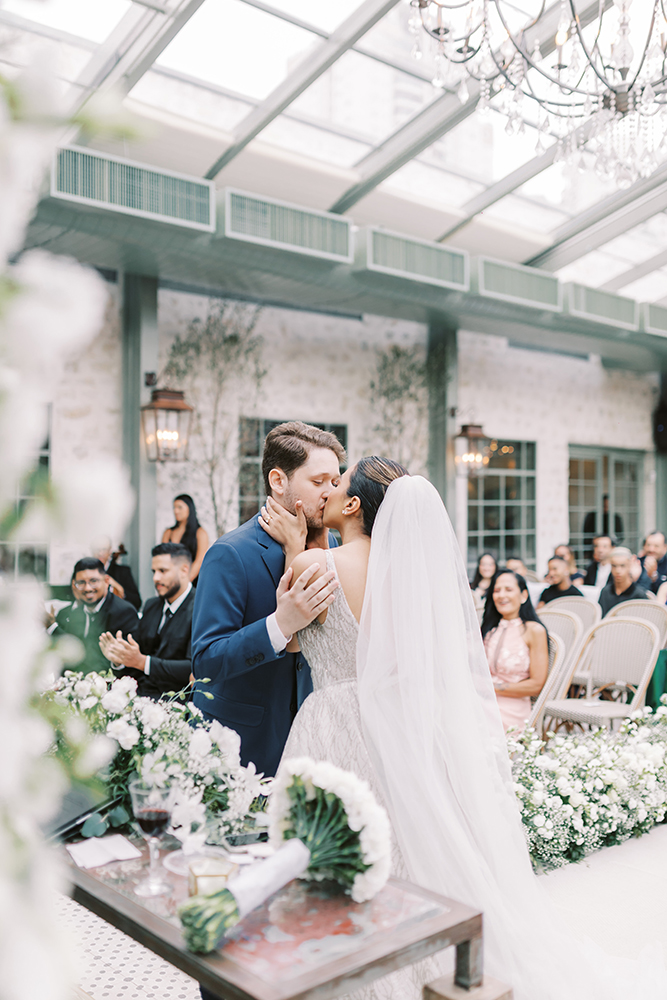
<point x="403" y="697"/>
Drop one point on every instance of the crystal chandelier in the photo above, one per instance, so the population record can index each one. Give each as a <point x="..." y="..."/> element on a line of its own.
<point x="595" y="76"/>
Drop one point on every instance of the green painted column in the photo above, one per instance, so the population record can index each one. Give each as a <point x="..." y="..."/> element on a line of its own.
<point x="140" y="355"/>
<point x="442" y="374"/>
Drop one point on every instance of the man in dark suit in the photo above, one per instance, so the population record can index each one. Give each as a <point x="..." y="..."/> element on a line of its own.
<point x="122" y="581"/>
<point x="96" y="609"/>
<point x="159" y="655"/>
<point x="241" y="626"/>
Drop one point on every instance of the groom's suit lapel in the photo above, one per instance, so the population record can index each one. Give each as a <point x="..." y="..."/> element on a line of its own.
<point x="272" y="554"/>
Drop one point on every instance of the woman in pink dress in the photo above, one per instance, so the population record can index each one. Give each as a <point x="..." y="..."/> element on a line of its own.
<point x="516" y="647"/>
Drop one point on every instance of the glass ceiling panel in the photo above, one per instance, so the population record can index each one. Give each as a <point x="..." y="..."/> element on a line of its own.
<point x="432" y="185"/>
<point x="566" y="188"/>
<point x="321" y="14"/>
<point x="191" y="100"/>
<point x="593" y="269"/>
<point x="238" y="47"/>
<point x="650" y="288"/>
<point x="481" y="148"/>
<point x="20" y="49"/>
<point x="85" y="18"/>
<point x="364" y="98"/>
<point x="390" y="39"/>
<point x="527" y="214"/>
<point x="311" y="140"/>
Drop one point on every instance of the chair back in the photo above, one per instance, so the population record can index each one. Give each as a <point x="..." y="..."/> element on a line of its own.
<point x="589" y="612"/>
<point x="620" y="651"/>
<point x="647" y="610"/>
<point x="557" y="661"/>
<point x="567" y="625"/>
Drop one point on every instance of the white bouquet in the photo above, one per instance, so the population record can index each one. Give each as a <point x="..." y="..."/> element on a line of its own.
<point x="334" y="830"/>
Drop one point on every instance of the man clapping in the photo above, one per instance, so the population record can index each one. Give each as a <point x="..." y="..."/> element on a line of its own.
<point x="159" y="657"/>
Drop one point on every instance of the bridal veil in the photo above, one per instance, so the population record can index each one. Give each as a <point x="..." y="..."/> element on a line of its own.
<point x="434" y="734"/>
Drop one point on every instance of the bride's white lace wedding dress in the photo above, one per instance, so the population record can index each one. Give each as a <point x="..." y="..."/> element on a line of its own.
<point x="328" y="727"/>
<point x="405" y="700"/>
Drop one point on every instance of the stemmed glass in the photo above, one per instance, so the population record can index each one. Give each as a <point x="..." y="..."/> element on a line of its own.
<point x="152" y="810"/>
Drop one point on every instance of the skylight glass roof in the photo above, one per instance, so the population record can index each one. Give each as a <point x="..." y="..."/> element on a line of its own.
<point x="233" y="74"/>
<point x="237" y="46"/>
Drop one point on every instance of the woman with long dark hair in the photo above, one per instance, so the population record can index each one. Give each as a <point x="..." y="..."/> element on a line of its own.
<point x="484" y="572"/>
<point x="188" y="531"/>
<point x="516" y="645"/>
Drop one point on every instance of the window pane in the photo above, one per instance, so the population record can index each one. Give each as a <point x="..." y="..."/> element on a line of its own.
<point x="474" y="488"/>
<point x="491" y="518"/>
<point x="512" y="488"/>
<point x="249" y="437"/>
<point x="249" y="479"/>
<point x="492" y="544"/>
<point x="529" y="491"/>
<point x="473" y="519"/>
<point x="7" y="559"/>
<point x="530" y="517"/>
<point x="530" y="455"/>
<point x="530" y="546"/>
<point x="512" y="546"/>
<point x="247" y="509"/>
<point x="512" y="518"/>
<point x="33" y="562"/>
<point x="492" y="488"/>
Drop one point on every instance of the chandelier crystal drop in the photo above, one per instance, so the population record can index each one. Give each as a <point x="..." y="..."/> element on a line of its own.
<point x="592" y="74"/>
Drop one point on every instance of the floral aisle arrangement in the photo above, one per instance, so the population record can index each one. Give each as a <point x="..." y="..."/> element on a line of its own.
<point x="166" y="741"/>
<point x="326" y="825"/>
<point x="49" y="308"/>
<point x="579" y="793"/>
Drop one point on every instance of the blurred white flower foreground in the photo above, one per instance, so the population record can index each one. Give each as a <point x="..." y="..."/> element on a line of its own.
<point x="49" y="307"/>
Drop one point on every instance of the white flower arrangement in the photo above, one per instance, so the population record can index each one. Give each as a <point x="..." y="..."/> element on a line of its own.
<point x="326" y="825"/>
<point x="578" y="793"/>
<point x="168" y="741"/>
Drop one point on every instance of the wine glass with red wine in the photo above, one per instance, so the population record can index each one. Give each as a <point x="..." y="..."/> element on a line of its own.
<point x="152" y="811"/>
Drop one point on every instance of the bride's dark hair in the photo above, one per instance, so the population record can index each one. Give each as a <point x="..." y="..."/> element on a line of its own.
<point x="369" y="480"/>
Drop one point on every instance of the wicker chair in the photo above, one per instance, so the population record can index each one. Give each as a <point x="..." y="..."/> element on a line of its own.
<point x="554" y="682"/>
<point x="618" y="654"/>
<point x="589" y="612"/>
<point x="567" y="625"/>
<point x="647" y="610"/>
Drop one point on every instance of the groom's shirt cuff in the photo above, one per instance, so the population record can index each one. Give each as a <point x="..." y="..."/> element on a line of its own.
<point x="278" y="640"/>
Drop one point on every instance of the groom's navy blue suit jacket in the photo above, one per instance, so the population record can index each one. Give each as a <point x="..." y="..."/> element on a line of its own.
<point x="255" y="691"/>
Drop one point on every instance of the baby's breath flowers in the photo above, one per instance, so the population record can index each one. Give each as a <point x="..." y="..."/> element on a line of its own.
<point x="578" y="793"/>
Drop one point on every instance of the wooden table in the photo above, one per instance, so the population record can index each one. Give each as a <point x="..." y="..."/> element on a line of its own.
<point x="307" y="941"/>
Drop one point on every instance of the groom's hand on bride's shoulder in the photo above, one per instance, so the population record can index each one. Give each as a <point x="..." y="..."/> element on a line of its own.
<point x="307" y="598"/>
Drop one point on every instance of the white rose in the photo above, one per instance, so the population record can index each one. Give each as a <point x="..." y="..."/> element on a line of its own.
<point x="124" y="734"/>
<point x="200" y="743"/>
<point x="539" y="821"/>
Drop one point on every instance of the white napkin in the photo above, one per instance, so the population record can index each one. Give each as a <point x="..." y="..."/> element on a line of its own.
<point x="96" y="851"/>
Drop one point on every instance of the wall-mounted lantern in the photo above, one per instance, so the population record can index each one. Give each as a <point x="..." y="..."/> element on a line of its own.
<point x="471" y="449"/>
<point x="166" y="426"/>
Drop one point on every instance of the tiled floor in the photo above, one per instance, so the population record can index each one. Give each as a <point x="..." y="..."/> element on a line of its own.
<point x="616" y="897"/>
<point x="114" y="967"/>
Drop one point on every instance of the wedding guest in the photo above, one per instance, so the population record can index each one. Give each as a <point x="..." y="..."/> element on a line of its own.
<point x="518" y="566"/>
<point x="598" y="570"/>
<point x="560" y="583"/>
<point x="158" y="655"/>
<point x="96" y="610"/>
<point x="566" y="553"/>
<point x="621" y="587"/>
<point x="516" y="645"/>
<point x="121" y="579"/>
<point x="654" y="561"/>
<point x="486" y="567"/>
<point x="188" y="531"/>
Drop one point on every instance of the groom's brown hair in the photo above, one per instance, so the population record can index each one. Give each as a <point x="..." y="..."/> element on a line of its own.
<point x="288" y="445"/>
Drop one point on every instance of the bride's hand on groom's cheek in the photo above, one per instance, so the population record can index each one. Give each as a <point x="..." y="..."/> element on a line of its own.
<point x="288" y="529"/>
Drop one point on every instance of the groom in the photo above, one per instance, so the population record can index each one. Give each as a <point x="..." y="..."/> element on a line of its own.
<point x="240" y="626"/>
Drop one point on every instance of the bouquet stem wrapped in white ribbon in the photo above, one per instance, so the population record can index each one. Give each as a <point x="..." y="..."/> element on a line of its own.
<point x="334" y="829"/>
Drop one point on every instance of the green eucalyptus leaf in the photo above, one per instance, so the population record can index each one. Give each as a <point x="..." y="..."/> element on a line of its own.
<point x="94" y="826"/>
<point x="118" y="816"/>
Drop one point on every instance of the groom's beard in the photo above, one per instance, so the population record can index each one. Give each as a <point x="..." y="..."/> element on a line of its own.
<point x="313" y="517"/>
